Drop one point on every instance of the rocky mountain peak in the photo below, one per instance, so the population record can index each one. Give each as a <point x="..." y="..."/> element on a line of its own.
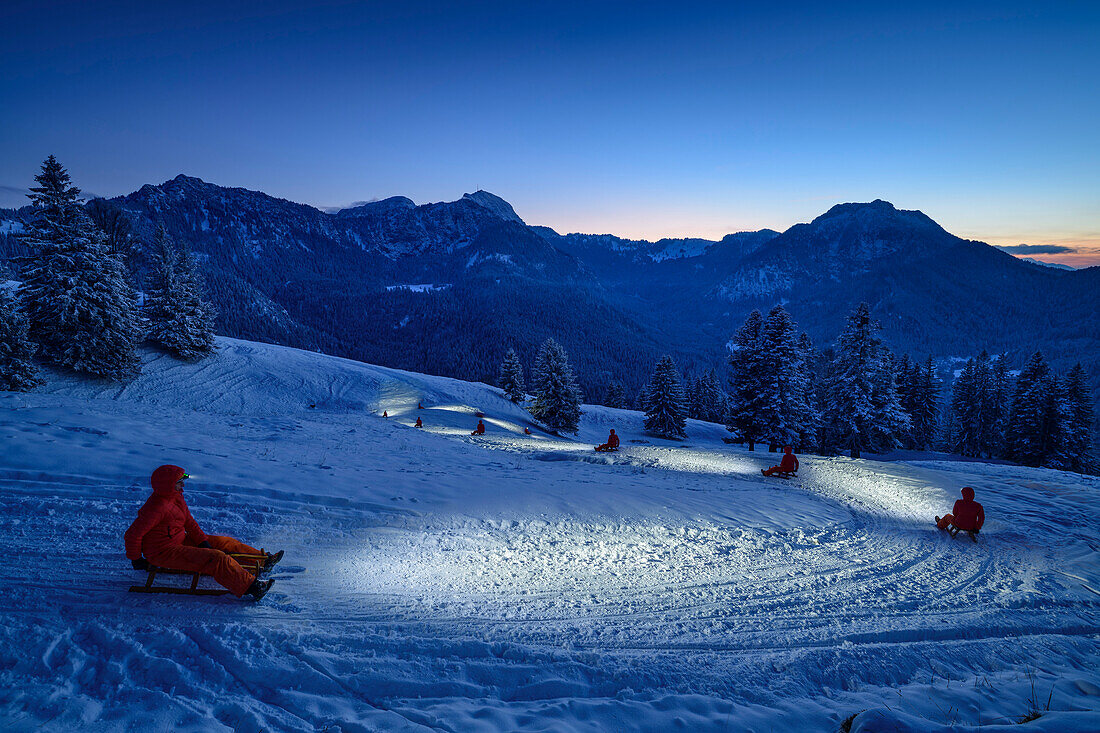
<point x="494" y="204"/>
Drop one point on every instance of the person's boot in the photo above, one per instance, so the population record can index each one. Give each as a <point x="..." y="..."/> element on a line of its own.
<point x="272" y="560"/>
<point x="259" y="588"/>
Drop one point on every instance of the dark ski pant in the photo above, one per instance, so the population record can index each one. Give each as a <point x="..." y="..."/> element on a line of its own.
<point x="225" y="570"/>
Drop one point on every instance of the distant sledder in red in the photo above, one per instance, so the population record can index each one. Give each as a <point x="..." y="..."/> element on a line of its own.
<point x="612" y="443"/>
<point x="787" y="468"/>
<point x="966" y="516"/>
<point x="480" y="429"/>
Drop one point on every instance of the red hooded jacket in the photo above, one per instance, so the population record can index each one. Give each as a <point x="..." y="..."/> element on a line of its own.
<point x="969" y="514"/>
<point x="164" y="520"/>
<point x="788" y="462"/>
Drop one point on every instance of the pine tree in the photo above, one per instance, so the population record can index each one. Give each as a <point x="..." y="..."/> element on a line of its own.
<point x="1032" y="427"/>
<point x="890" y="423"/>
<point x="862" y="408"/>
<point x="511" y="376"/>
<point x="17" y="370"/>
<point x="1078" y="430"/>
<point x="809" y="368"/>
<point x="557" y="397"/>
<point x="691" y="397"/>
<point x="999" y="405"/>
<point x="118" y="233"/>
<point x="616" y="395"/>
<point x="966" y="411"/>
<point x="80" y="309"/>
<point x="1059" y="417"/>
<point x="906" y="390"/>
<point x="709" y="398"/>
<point x="784" y="414"/>
<point x="179" y="319"/>
<point x="747" y="381"/>
<point x="665" y="410"/>
<point x="925" y="396"/>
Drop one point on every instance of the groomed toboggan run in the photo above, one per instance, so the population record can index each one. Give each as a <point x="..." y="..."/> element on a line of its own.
<point x="436" y="581"/>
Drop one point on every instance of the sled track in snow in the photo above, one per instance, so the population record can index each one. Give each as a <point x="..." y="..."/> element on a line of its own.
<point x="390" y="598"/>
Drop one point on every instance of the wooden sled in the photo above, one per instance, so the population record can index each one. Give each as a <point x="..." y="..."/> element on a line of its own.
<point x="953" y="531"/>
<point x="601" y="449"/>
<point x="252" y="563"/>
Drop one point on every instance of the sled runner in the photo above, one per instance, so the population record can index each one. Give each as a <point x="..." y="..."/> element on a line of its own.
<point x="953" y="530"/>
<point x="601" y="449"/>
<point x="252" y="563"/>
<point x="787" y="474"/>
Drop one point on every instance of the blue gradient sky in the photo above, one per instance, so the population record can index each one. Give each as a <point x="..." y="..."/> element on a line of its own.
<point x="640" y="119"/>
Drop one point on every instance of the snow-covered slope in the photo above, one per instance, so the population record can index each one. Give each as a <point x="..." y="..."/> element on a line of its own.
<point x="437" y="581"/>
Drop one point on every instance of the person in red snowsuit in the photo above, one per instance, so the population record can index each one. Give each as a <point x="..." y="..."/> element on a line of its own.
<point x="419" y="423"/>
<point x="787" y="464"/>
<point x="967" y="515"/>
<point x="611" y="444"/>
<point x="527" y="431"/>
<point x="166" y="535"/>
<point x="480" y="429"/>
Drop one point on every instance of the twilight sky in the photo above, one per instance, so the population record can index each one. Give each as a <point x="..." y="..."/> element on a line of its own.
<point x="636" y="118"/>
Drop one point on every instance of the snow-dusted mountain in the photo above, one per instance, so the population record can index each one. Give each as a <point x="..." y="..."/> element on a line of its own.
<point x="289" y="273"/>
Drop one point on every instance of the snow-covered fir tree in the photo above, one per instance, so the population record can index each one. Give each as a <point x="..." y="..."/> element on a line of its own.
<point x="118" y="234"/>
<point x="616" y="394"/>
<point x="691" y="397"/>
<point x="891" y="423"/>
<point x="710" y="401"/>
<point x="179" y="319"/>
<point x="665" y="408"/>
<point x="1033" y="427"/>
<point x="80" y="309"/>
<point x="998" y="405"/>
<point x="557" y="397"/>
<point x="809" y="368"/>
<point x="511" y="376"/>
<point x="17" y="370"/>
<point x="966" y="408"/>
<point x="862" y="407"/>
<point x="925" y="400"/>
<point x="1078" y="430"/>
<point x="784" y="413"/>
<point x="906" y="383"/>
<point x="747" y="381"/>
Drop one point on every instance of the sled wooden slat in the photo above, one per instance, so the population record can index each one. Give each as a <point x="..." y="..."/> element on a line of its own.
<point x="178" y="591"/>
<point x="194" y="589"/>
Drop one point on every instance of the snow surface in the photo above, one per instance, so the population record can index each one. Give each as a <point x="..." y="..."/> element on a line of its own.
<point x="420" y="287"/>
<point x="438" y="581"/>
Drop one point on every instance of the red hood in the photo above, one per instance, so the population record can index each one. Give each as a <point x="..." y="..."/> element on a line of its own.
<point x="968" y="493"/>
<point x="164" y="479"/>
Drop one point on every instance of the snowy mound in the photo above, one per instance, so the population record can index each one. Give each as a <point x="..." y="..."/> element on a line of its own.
<point x="434" y="580"/>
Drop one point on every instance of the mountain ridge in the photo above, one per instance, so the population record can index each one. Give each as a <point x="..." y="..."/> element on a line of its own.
<point x="290" y="273"/>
